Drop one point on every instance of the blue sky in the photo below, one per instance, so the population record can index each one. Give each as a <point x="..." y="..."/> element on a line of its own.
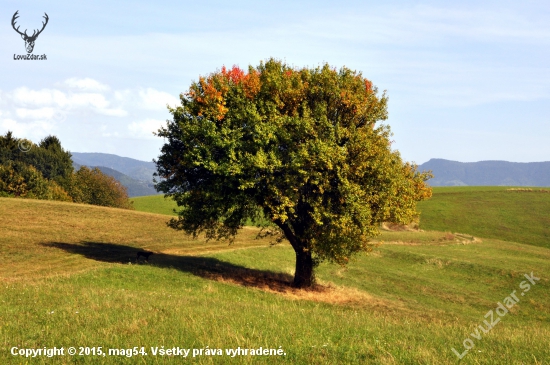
<point x="467" y="81"/>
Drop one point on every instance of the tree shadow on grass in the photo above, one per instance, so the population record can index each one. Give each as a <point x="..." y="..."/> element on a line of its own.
<point x="205" y="267"/>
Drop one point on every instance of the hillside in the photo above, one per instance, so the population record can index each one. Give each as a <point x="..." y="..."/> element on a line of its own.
<point x="136" y="169"/>
<point x="487" y="173"/>
<point x="155" y="204"/>
<point x="140" y="183"/>
<point x="135" y="187"/>
<point x="71" y="279"/>
<point x="491" y="212"/>
<point x="511" y="214"/>
<point x="68" y="224"/>
<point x="446" y="172"/>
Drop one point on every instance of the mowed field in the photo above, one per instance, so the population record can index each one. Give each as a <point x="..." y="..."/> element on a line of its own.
<point x="70" y="278"/>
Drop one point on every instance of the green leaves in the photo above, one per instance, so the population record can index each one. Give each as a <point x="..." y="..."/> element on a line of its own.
<point x="45" y="171"/>
<point x="91" y="186"/>
<point x="303" y="145"/>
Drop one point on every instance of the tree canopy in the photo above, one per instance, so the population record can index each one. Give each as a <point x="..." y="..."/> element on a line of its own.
<point x="45" y="171"/>
<point x="48" y="157"/>
<point x="303" y="147"/>
<point x="92" y="186"/>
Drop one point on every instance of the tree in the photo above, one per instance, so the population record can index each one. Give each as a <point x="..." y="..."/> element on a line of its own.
<point x="18" y="179"/>
<point x="45" y="171"/>
<point x="58" y="162"/>
<point x="48" y="157"/>
<point x="91" y="186"/>
<point x="302" y="145"/>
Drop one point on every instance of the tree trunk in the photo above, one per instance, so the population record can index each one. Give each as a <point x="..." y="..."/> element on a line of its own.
<point x="303" y="278"/>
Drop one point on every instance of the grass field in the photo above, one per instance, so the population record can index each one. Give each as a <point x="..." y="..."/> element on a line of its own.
<point x="155" y="204"/>
<point x="501" y="212"/>
<point x="511" y="214"/>
<point x="70" y="278"/>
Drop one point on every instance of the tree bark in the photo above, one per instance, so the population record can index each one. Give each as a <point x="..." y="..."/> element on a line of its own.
<point x="303" y="277"/>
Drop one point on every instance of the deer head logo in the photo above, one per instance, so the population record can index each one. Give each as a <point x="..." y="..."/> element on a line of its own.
<point x="29" y="40"/>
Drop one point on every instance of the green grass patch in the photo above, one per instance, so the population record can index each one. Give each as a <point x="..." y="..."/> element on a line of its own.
<point x="155" y="204"/>
<point x="491" y="212"/>
<point x="396" y="306"/>
<point x="499" y="212"/>
<point x="70" y="278"/>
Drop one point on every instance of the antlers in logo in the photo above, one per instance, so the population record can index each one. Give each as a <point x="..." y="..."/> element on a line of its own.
<point x="29" y="40"/>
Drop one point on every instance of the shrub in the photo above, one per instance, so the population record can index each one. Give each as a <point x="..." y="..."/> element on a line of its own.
<point x="94" y="187"/>
<point x="20" y="180"/>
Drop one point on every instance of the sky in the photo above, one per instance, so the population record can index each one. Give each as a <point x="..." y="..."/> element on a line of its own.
<point x="467" y="81"/>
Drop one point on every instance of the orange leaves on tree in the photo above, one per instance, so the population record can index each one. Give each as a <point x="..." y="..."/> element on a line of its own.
<point x="209" y="99"/>
<point x="208" y="96"/>
<point x="368" y="85"/>
<point x="235" y="74"/>
<point x="250" y="82"/>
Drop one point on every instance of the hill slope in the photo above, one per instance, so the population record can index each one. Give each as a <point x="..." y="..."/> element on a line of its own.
<point x="509" y="214"/>
<point x="135" y="187"/>
<point x="155" y="204"/>
<point x="405" y="303"/>
<point x="493" y="173"/>
<point x="517" y="215"/>
<point x="140" y="170"/>
<point x="138" y="178"/>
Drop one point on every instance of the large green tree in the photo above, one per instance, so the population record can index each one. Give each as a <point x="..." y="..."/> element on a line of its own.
<point x="301" y="146"/>
<point x="48" y="157"/>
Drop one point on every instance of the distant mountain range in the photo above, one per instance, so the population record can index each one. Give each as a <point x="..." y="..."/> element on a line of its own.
<point x="489" y="173"/>
<point x="135" y="175"/>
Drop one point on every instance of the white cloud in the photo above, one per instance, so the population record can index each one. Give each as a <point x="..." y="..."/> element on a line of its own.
<point x="44" y="97"/>
<point x="105" y="133"/>
<point x="55" y="101"/>
<point x="42" y="113"/>
<point x="145" y="128"/>
<point x="34" y="131"/>
<point x="88" y="99"/>
<point x="9" y="124"/>
<point x="123" y="95"/>
<point x="53" y="97"/>
<point x="45" y="102"/>
<point x="86" y="84"/>
<point x="156" y="100"/>
<point x="117" y="112"/>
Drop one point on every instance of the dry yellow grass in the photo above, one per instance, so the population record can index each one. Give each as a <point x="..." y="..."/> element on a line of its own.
<point x="34" y="247"/>
<point x="402" y="304"/>
<point x="103" y="236"/>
